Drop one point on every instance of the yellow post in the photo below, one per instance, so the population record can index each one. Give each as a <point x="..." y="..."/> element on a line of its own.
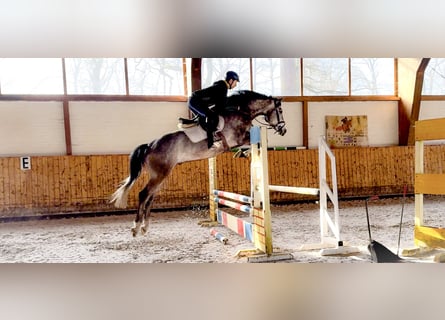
<point x="213" y="184"/>
<point x="427" y="236"/>
<point x="260" y="192"/>
<point x="419" y="169"/>
<point x="264" y="185"/>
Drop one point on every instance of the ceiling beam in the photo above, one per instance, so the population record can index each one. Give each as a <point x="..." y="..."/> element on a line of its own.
<point x="196" y="74"/>
<point x="409" y="76"/>
<point x="417" y="98"/>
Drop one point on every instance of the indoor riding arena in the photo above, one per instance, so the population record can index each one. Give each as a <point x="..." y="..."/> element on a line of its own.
<point x="374" y="195"/>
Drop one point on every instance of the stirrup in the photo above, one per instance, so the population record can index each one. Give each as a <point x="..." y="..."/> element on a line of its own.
<point x="188" y="123"/>
<point x="194" y="120"/>
<point x="216" y="145"/>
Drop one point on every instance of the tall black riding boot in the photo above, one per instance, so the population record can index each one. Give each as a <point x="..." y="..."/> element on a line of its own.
<point x="209" y="138"/>
<point x="212" y="123"/>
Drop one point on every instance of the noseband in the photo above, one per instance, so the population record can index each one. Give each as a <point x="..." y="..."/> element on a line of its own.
<point x="280" y="126"/>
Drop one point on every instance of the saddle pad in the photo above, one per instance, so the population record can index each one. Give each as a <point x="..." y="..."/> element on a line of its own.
<point x="197" y="134"/>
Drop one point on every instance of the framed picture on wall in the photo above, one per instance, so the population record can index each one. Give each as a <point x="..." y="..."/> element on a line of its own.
<point x="347" y="131"/>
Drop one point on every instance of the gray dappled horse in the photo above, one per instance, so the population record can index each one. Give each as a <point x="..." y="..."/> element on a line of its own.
<point x="160" y="156"/>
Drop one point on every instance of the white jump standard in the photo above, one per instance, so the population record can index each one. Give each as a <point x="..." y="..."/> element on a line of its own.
<point x="331" y="242"/>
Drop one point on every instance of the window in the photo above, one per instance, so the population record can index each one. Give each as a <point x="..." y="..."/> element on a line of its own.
<point x="156" y="76"/>
<point x="95" y="76"/>
<point x="434" y="77"/>
<point x="165" y="76"/>
<point x="31" y="76"/>
<point x="372" y="76"/>
<point x="214" y="69"/>
<point x="274" y="76"/>
<point x="325" y="77"/>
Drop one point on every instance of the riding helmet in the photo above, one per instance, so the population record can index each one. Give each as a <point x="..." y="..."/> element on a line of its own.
<point x="232" y="75"/>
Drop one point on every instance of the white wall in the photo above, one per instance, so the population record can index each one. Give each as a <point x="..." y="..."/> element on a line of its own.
<point x="382" y="119"/>
<point x="37" y="128"/>
<point x="119" y="127"/>
<point x="432" y="110"/>
<point x="31" y="128"/>
<point x="293" y="115"/>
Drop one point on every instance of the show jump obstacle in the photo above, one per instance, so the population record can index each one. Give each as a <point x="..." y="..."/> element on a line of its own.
<point x="331" y="241"/>
<point x="427" y="183"/>
<point x="257" y="205"/>
<point x="259" y="231"/>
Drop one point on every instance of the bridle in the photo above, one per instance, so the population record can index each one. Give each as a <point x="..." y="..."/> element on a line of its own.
<point x="280" y="126"/>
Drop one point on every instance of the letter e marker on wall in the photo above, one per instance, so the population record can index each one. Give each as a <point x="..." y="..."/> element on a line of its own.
<point x="25" y="163"/>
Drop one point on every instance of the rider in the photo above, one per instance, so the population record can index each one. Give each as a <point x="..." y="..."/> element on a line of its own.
<point x="201" y="101"/>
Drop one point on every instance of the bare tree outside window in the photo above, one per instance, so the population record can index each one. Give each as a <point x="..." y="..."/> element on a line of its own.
<point x="214" y="69"/>
<point x="95" y="75"/>
<point x="164" y="76"/>
<point x="372" y="76"/>
<point x="275" y="76"/>
<point x="434" y="77"/>
<point x="325" y="76"/>
<point x="156" y="76"/>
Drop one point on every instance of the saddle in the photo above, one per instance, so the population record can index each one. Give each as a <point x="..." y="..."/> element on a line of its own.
<point x="194" y="128"/>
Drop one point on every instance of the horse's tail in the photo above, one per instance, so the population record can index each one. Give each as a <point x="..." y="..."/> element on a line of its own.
<point x="137" y="161"/>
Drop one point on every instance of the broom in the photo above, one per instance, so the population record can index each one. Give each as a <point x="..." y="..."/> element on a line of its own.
<point x="401" y="218"/>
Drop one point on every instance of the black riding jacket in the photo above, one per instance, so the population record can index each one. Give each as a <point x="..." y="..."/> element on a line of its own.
<point x="216" y="95"/>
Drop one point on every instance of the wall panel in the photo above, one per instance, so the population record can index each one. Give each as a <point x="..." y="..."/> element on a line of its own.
<point x="31" y="128"/>
<point x="119" y="127"/>
<point x="382" y="119"/>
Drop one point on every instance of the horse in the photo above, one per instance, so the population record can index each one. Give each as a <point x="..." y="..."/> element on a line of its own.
<point x="160" y="156"/>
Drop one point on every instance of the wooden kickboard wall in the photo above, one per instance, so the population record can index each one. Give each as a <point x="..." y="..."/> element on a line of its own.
<point x="65" y="184"/>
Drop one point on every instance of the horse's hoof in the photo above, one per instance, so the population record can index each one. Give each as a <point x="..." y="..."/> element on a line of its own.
<point x="134" y="232"/>
<point x="144" y="230"/>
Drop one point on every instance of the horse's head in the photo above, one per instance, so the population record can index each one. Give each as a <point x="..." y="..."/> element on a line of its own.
<point x="255" y="104"/>
<point x="274" y="116"/>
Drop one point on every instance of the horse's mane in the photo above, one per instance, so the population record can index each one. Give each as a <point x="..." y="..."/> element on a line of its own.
<point x="242" y="98"/>
<point x="247" y="95"/>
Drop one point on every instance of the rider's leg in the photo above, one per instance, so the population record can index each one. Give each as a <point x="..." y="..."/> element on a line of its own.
<point x="211" y="120"/>
<point x="198" y="110"/>
<point x="212" y="124"/>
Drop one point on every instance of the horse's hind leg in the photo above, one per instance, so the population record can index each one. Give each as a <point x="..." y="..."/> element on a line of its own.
<point x="145" y="202"/>
<point x="143" y="195"/>
<point x="146" y="216"/>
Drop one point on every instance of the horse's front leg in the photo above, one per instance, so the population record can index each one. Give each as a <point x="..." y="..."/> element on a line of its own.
<point x="243" y="137"/>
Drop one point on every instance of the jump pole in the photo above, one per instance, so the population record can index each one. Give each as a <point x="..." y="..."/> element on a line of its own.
<point x="259" y="231"/>
<point x="427" y="237"/>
